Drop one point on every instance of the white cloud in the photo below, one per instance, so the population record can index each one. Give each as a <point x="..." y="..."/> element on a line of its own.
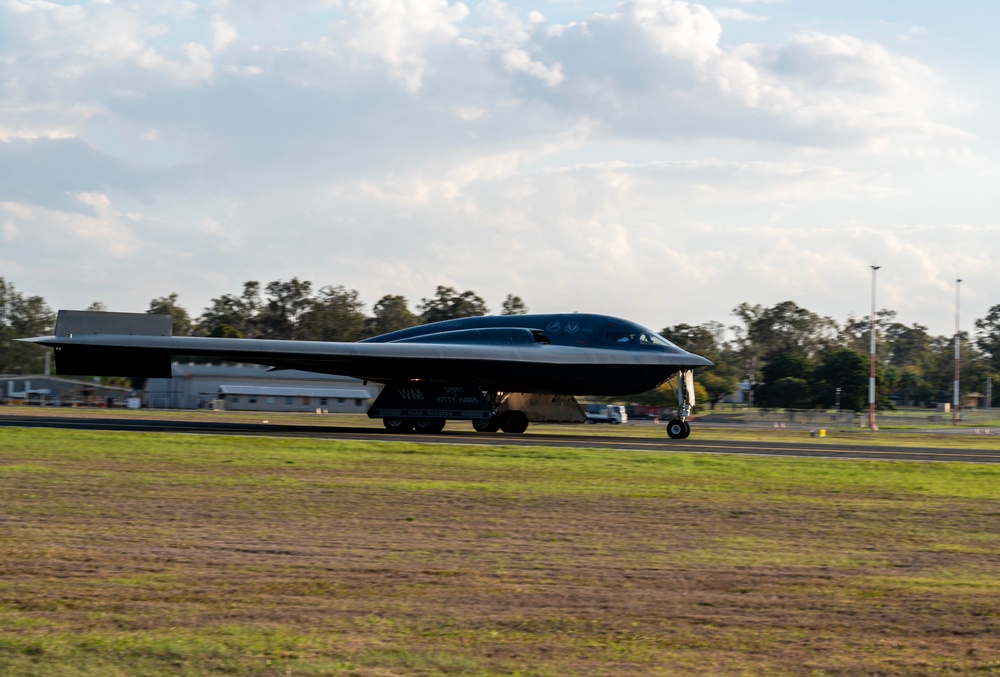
<point x="401" y="33"/>
<point x="662" y="73"/>
<point x="395" y="145"/>
<point x="509" y="35"/>
<point x="223" y="33"/>
<point x="104" y="231"/>
<point x="736" y="14"/>
<point x="520" y="60"/>
<point x="675" y="28"/>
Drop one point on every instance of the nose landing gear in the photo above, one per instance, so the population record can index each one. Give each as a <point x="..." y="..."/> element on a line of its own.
<point x="679" y="428"/>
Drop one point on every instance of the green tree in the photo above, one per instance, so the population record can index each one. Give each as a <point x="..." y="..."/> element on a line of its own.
<point x="22" y="317"/>
<point x="846" y="369"/>
<point x="167" y="305"/>
<point x="856" y="332"/>
<point x="513" y="305"/>
<point x="789" y="393"/>
<point x="284" y="307"/>
<point x="783" y="328"/>
<point x="790" y="365"/>
<point x="390" y="313"/>
<point x="664" y="396"/>
<point x="975" y="366"/>
<point x="448" y="304"/>
<point x="988" y="336"/>
<point x="239" y="312"/>
<point x="226" y="331"/>
<point x="910" y="383"/>
<point x="336" y="314"/>
<point x="708" y="340"/>
<point x="905" y="346"/>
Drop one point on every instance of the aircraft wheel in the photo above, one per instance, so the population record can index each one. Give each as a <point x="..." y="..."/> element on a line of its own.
<point x="486" y="425"/>
<point x="429" y="425"/>
<point x="678" y="429"/>
<point x="397" y="425"/>
<point x="513" y="422"/>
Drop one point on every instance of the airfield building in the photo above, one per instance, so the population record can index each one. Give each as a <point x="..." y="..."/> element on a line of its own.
<point x="254" y="388"/>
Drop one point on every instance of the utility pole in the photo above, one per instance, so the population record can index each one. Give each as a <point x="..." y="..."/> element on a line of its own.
<point x="871" y="371"/>
<point x="958" y="354"/>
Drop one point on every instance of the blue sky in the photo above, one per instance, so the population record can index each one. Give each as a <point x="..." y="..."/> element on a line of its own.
<point x="659" y="160"/>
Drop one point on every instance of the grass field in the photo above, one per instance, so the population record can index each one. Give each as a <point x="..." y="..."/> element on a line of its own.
<point x="138" y="554"/>
<point x="640" y="430"/>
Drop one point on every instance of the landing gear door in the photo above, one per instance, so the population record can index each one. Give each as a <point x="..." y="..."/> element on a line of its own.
<point x="422" y="400"/>
<point x="689" y="388"/>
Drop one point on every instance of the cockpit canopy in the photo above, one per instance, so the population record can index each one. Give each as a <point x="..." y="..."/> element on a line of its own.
<point x="576" y="329"/>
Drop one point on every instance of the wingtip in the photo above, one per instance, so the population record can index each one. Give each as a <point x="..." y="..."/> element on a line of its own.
<point x="36" y="339"/>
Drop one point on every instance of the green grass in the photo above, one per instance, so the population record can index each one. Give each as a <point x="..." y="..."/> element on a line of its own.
<point x="701" y="432"/>
<point x="129" y="554"/>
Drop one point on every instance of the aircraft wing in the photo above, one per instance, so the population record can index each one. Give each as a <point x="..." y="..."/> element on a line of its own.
<point x="505" y="358"/>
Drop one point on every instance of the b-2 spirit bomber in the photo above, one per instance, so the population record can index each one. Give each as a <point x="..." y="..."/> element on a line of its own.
<point x="499" y="372"/>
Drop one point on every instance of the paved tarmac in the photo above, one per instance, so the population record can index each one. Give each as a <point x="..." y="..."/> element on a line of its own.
<point x="699" y="442"/>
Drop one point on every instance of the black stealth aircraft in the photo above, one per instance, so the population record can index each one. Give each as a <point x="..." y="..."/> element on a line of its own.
<point x="499" y="372"/>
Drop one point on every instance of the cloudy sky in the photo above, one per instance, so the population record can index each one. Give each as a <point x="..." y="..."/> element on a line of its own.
<point x="660" y="160"/>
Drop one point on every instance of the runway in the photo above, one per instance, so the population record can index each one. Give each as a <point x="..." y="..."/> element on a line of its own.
<point x="700" y="442"/>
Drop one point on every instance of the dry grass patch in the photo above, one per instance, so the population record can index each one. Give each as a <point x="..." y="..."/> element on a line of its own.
<point x="160" y="555"/>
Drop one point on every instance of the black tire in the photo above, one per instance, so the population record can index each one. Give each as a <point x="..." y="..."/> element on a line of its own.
<point x="397" y="425"/>
<point x="678" y="429"/>
<point x="486" y="425"/>
<point x="687" y="430"/>
<point x="514" y="422"/>
<point x="429" y="426"/>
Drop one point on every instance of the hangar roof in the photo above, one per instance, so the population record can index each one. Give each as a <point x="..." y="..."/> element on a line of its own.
<point x="280" y="391"/>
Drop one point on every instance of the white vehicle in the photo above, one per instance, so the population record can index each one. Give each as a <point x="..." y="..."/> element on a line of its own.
<point x="606" y="413"/>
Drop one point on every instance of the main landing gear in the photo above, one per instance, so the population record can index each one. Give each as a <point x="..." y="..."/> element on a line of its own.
<point x="422" y="408"/>
<point x="398" y="425"/>
<point x="429" y="426"/>
<point x="486" y="425"/>
<point x="510" y="421"/>
<point x="513" y="422"/>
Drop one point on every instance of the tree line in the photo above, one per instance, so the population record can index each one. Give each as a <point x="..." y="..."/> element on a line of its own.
<point x="790" y="356"/>
<point x="291" y="309"/>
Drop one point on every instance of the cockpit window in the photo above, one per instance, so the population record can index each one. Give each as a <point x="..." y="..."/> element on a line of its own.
<point x="644" y="338"/>
<point x="648" y="338"/>
<point x="621" y="337"/>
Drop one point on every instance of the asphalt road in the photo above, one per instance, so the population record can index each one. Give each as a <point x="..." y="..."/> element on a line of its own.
<point x="699" y="442"/>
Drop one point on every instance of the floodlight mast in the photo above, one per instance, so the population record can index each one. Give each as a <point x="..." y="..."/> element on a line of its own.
<point x="958" y="355"/>
<point x="871" y="371"/>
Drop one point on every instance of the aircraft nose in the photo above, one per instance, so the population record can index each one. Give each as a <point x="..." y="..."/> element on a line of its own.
<point x="699" y="361"/>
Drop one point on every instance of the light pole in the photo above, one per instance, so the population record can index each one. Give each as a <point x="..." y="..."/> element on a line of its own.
<point x="871" y="371"/>
<point x="958" y="354"/>
<point x="838" y="404"/>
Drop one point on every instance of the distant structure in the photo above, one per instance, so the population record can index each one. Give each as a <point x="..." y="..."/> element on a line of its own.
<point x="254" y="388"/>
<point x="60" y="392"/>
